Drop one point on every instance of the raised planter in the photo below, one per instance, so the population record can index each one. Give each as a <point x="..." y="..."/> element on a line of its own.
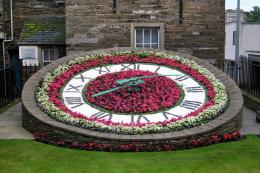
<point x="52" y="131"/>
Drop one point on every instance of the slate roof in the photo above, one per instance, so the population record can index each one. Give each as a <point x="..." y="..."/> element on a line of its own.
<point x="43" y="30"/>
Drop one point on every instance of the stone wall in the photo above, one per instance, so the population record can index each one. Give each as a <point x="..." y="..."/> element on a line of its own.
<point x="91" y="24"/>
<point x="47" y="133"/>
<point x="1" y="17"/>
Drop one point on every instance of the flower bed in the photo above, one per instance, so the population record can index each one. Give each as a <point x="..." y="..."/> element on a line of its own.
<point x="48" y="96"/>
<point x="132" y="147"/>
<point x="158" y="93"/>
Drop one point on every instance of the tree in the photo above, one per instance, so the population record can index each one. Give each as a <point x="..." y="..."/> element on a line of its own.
<point x="254" y="15"/>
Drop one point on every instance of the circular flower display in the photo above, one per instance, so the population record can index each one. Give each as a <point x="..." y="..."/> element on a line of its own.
<point x="132" y="92"/>
<point x="151" y="94"/>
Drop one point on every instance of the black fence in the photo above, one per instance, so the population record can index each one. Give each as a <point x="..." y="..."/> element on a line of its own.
<point x="248" y="77"/>
<point x="8" y="88"/>
<point x="12" y="81"/>
<point x="27" y="72"/>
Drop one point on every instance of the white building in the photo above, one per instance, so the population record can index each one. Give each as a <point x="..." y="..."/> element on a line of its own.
<point x="249" y="36"/>
<point x="231" y="16"/>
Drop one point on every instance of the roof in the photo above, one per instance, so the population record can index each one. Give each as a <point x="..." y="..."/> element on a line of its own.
<point x="234" y="11"/>
<point x="43" y="30"/>
<point x="244" y="23"/>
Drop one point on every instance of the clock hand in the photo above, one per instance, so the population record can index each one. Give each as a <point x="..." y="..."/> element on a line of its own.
<point x="120" y="82"/>
<point x="132" y="83"/>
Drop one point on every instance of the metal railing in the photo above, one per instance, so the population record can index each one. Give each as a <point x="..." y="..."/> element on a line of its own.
<point x="28" y="71"/>
<point x="248" y="76"/>
<point x="10" y="89"/>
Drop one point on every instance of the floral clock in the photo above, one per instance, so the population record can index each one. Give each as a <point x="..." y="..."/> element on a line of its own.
<point x="132" y="92"/>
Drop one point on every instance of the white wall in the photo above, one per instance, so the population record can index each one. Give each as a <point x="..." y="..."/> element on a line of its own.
<point x="250" y="38"/>
<point x="230" y="49"/>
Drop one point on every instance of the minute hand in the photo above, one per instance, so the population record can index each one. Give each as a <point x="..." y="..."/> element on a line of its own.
<point x="122" y="81"/>
<point x="133" y="83"/>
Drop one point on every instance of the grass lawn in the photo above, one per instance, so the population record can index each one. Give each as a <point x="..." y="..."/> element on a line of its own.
<point x="30" y="156"/>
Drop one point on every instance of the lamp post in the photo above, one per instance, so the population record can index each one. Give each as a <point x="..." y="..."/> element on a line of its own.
<point x="237" y="55"/>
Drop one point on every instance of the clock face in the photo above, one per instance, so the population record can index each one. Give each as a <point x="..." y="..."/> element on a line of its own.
<point x="159" y="82"/>
<point x="132" y="92"/>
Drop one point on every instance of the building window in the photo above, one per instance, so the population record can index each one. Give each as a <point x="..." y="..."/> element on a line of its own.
<point x="59" y="3"/>
<point x="29" y="55"/>
<point x="234" y="37"/>
<point x="49" y="55"/>
<point x="147" y="38"/>
<point x="147" y="35"/>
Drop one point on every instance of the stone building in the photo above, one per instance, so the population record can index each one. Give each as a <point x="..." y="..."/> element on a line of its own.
<point x="31" y="22"/>
<point x="195" y="27"/>
<point x="231" y="16"/>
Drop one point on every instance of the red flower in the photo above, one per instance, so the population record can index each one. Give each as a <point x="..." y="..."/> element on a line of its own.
<point x="152" y="98"/>
<point x="155" y="94"/>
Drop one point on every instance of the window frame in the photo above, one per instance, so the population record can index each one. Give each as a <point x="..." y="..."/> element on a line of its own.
<point x="160" y="26"/>
<point x="29" y="61"/>
<point x="150" y="37"/>
<point x="35" y="48"/>
<point x="56" y="52"/>
<point x="234" y="38"/>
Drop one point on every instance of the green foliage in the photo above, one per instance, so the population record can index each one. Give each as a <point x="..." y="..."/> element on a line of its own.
<point x="254" y="15"/>
<point x="33" y="27"/>
<point x="143" y="54"/>
<point x="20" y="156"/>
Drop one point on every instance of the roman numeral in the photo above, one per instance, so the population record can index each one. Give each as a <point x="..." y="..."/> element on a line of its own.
<point x="182" y="78"/>
<point x="82" y="78"/>
<point x="167" y="114"/>
<point x="194" y="89"/>
<point x="102" y="70"/>
<point x="130" y="67"/>
<point x="102" y="115"/>
<point x="140" y="117"/>
<point x="74" y="101"/>
<point x="73" y="88"/>
<point x="157" y="70"/>
<point x="192" y="105"/>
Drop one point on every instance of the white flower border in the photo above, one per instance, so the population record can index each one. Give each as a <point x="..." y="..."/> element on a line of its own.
<point x="221" y="99"/>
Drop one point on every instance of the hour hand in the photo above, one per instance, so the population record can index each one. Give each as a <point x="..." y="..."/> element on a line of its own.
<point x="121" y="82"/>
<point x="136" y="82"/>
<point x="132" y="83"/>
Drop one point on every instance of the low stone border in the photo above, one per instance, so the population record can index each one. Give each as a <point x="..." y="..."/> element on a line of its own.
<point x="258" y="116"/>
<point x="251" y="101"/>
<point x="50" y="130"/>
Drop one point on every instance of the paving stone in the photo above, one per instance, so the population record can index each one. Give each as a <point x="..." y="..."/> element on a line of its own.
<point x="11" y="124"/>
<point x="250" y="126"/>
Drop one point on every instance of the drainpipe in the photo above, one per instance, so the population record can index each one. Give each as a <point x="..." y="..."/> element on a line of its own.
<point x="7" y="41"/>
<point x="237" y="56"/>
